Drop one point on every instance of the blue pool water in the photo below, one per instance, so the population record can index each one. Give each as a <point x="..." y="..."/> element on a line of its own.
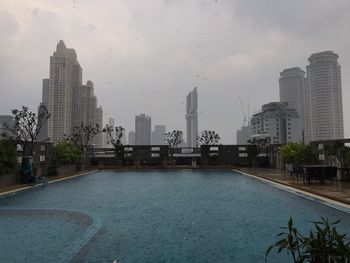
<point x="152" y="216"/>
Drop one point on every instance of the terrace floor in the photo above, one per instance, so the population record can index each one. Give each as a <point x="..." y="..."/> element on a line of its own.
<point x="337" y="191"/>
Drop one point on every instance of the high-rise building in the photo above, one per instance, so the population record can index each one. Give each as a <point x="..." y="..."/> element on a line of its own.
<point x="105" y="137"/>
<point x="68" y="101"/>
<point x="324" y="105"/>
<point x="64" y="80"/>
<point x="192" y="118"/>
<point x="244" y="134"/>
<point x="131" y="138"/>
<point x="98" y="119"/>
<point x="88" y="112"/>
<point x="111" y="123"/>
<point x="292" y="90"/>
<point x="158" y="135"/>
<point x="143" y="130"/>
<point x="86" y="105"/>
<point x="277" y="122"/>
<point x="123" y="138"/>
<point x="44" y="132"/>
<point x="9" y="121"/>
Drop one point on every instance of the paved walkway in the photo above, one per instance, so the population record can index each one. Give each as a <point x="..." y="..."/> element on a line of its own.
<point x="337" y="191"/>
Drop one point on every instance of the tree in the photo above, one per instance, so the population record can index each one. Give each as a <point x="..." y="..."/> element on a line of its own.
<point x="323" y="244"/>
<point x="339" y="152"/>
<point x="82" y="135"/>
<point x="8" y="156"/>
<point x="66" y="152"/>
<point x="173" y="139"/>
<point x="208" y="137"/>
<point x="27" y="126"/>
<point x="114" y="136"/>
<point x="296" y="153"/>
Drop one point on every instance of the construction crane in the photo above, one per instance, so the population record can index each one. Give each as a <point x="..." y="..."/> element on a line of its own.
<point x="243" y="112"/>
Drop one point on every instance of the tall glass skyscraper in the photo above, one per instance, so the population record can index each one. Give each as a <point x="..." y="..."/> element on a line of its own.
<point x="192" y="118"/>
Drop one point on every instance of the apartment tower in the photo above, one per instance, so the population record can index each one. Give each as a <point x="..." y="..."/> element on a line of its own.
<point x="131" y="138"/>
<point x="68" y="101"/>
<point x="64" y="81"/>
<point x="324" y="106"/>
<point x="292" y="90"/>
<point x="143" y="130"/>
<point x="158" y="135"/>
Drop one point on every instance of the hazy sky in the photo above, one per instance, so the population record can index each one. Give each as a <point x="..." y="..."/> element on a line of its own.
<point x="145" y="56"/>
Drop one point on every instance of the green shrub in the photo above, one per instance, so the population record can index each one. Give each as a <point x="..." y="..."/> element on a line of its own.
<point x="8" y="156"/>
<point x="296" y="153"/>
<point x="67" y="153"/>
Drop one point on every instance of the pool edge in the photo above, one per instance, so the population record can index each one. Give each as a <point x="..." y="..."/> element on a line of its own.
<point x="24" y="188"/>
<point x="335" y="204"/>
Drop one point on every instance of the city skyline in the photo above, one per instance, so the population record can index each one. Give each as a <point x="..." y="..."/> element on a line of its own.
<point x="198" y="55"/>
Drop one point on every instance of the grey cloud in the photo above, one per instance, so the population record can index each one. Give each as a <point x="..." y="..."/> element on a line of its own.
<point x="91" y="28"/>
<point x="8" y="25"/>
<point x="305" y="18"/>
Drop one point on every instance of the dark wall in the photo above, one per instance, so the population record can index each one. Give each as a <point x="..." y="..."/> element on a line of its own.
<point x="241" y="155"/>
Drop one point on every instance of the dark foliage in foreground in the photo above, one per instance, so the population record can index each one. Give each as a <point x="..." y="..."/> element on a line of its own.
<point x="8" y="156"/>
<point x="323" y="244"/>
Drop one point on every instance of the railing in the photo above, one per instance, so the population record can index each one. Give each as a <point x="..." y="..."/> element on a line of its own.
<point x="161" y="154"/>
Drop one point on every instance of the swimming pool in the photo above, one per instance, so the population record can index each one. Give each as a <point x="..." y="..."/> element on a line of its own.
<point x="152" y="216"/>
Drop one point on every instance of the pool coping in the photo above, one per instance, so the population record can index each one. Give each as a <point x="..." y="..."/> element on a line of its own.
<point x="323" y="200"/>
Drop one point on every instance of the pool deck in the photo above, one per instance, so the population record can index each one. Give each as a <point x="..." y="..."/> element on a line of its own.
<point x="339" y="192"/>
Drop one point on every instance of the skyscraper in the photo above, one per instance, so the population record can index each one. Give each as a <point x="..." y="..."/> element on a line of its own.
<point x="86" y="105"/>
<point x="158" y="135"/>
<point x="324" y="106"/>
<point x="105" y="136"/>
<point x="65" y="79"/>
<point x="131" y="138"/>
<point x="192" y="118"/>
<point x="68" y="101"/>
<point x="44" y="132"/>
<point x="292" y="90"/>
<point x="97" y="140"/>
<point x="143" y="130"/>
<point x="244" y="134"/>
